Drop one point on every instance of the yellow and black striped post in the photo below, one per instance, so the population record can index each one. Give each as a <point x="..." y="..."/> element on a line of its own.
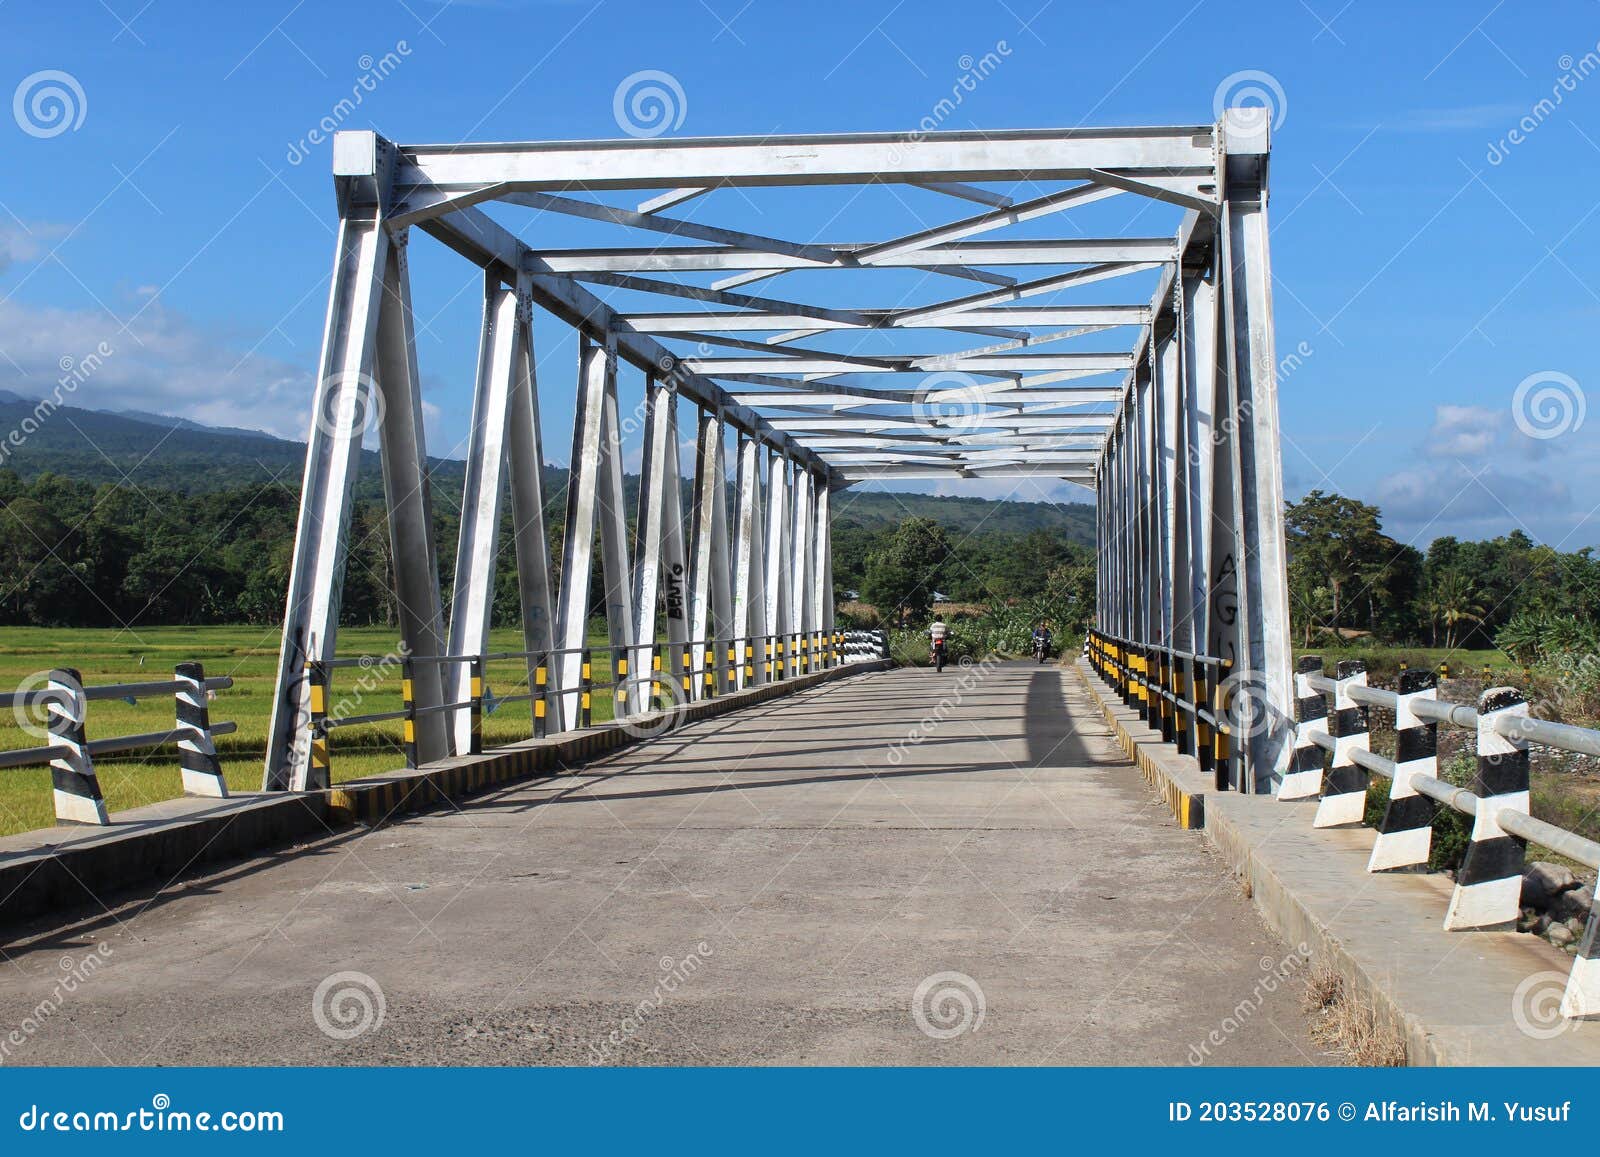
<point x="656" y="682"/>
<point x="768" y="661"/>
<point x="320" y="773"/>
<point x="619" y="709"/>
<point x="1205" y="749"/>
<point x="1181" y="716"/>
<point x="688" y="672"/>
<point x="1169" y="709"/>
<point x="476" y="709"/>
<point x="781" y="669"/>
<point x="708" y="676"/>
<point x="541" y="706"/>
<point x="585" y="691"/>
<point x="1222" y="748"/>
<point x="408" y="702"/>
<point x="732" y="683"/>
<point x="749" y="663"/>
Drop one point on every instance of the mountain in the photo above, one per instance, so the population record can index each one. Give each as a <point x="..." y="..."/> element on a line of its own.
<point x="155" y="451"/>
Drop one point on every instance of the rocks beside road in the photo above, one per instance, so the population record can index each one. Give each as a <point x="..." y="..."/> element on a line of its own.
<point x="1555" y="904"/>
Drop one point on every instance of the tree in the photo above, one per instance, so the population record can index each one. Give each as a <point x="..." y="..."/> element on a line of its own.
<point x="1453" y="602"/>
<point x="1339" y="539"/>
<point x="902" y="577"/>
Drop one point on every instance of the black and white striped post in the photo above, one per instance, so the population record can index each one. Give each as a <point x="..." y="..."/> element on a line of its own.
<point x="197" y="753"/>
<point x="1303" y="779"/>
<point x="78" y="798"/>
<point x="1344" y="792"/>
<point x="1582" y="998"/>
<point x="1405" y="835"/>
<point x="1488" y="890"/>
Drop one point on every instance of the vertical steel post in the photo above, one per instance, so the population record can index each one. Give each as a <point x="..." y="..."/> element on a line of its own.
<point x="341" y="412"/>
<point x="478" y="547"/>
<point x="409" y="500"/>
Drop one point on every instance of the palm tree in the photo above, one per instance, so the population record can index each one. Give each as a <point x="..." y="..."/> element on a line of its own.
<point x="1453" y="602"/>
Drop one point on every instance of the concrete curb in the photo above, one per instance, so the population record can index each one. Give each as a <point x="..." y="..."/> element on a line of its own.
<point x="1176" y="778"/>
<point x="59" y="868"/>
<point x="1455" y="998"/>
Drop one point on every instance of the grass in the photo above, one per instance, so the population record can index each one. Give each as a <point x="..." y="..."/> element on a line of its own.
<point x="1384" y="661"/>
<point x="250" y="656"/>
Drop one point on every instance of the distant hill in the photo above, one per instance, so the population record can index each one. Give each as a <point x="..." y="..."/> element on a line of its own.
<point x="157" y="451"/>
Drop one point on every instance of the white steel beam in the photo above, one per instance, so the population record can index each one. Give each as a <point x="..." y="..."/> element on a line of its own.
<point x="596" y="381"/>
<point x="478" y="547"/>
<point x="854" y="158"/>
<point x="758" y="318"/>
<point x="333" y="453"/>
<point x="409" y="502"/>
<point x="710" y="597"/>
<point x="749" y="562"/>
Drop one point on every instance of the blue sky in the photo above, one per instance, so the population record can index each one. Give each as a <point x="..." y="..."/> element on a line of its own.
<point x="1427" y="263"/>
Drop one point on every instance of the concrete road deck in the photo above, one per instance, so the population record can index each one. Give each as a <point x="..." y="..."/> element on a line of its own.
<point x="771" y="887"/>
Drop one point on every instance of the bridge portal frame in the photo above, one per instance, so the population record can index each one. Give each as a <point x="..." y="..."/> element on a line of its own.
<point x="1190" y="537"/>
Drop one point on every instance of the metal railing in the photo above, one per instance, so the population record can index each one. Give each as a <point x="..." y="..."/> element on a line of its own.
<point x="705" y="669"/>
<point x="1184" y="696"/>
<point x="61" y="706"/>
<point x="1332" y="762"/>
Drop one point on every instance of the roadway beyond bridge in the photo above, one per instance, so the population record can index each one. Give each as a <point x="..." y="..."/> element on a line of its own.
<point x="894" y="868"/>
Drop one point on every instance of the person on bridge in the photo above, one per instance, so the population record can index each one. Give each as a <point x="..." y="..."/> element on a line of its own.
<point x="1041" y="641"/>
<point x="936" y="636"/>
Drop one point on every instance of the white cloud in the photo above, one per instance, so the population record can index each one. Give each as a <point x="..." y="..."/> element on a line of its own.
<point x="1464" y="431"/>
<point x="158" y="360"/>
<point x="22" y="242"/>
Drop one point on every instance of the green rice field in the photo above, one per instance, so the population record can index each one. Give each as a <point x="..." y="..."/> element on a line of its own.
<point x="250" y="656"/>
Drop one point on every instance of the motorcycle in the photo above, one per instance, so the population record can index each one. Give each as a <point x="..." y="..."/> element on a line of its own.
<point x="938" y="655"/>
<point x="1040" y="650"/>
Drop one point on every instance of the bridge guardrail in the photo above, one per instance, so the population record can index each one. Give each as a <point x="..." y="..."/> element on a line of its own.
<point x="70" y="754"/>
<point x="1488" y="886"/>
<point x="708" y="668"/>
<point x="1185" y="696"/>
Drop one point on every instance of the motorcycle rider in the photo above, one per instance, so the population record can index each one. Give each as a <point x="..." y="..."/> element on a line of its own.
<point x="1041" y="640"/>
<point x="936" y="636"/>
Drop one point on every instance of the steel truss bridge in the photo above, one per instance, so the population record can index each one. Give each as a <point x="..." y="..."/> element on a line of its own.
<point x="1013" y="342"/>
